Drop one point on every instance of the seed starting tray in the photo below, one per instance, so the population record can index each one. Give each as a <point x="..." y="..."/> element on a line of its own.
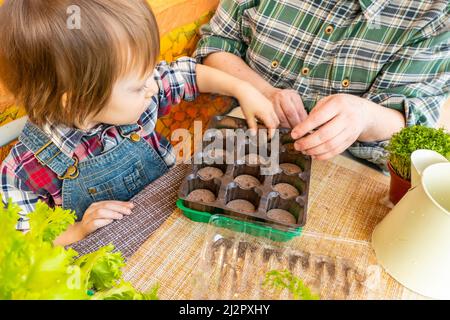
<point x="262" y="197"/>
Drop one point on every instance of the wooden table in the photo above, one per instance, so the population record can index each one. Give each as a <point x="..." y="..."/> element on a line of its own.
<point x="345" y="202"/>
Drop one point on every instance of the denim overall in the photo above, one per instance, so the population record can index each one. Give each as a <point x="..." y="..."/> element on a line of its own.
<point x="117" y="174"/>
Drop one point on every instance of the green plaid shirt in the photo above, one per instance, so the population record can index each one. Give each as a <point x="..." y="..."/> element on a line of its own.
<point x="395" y="53"/>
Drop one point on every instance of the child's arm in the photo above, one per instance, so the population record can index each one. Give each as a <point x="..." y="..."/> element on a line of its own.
<point x="254" y="104"/>
<point x="184" y="79"/>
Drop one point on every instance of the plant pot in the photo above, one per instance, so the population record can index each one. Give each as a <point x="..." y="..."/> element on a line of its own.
<point x="398" y="186"/>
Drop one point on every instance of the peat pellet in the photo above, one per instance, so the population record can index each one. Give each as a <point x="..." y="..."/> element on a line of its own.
<point x="286" y="190"/>
<point x="281" y="216"/>
<point x="246" y="181"/>
<point x="242" y="205"/>
<point x="290" y="168"/>
<point x="201" y="195"/>
<point x="208" y="173"/>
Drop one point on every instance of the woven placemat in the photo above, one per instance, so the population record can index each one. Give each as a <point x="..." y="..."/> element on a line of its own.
<point x="344" y="202"/>
<point x="152" y="207"/>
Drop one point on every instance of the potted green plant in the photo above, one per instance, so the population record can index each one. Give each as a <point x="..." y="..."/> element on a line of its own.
<point x="400" y="148"/>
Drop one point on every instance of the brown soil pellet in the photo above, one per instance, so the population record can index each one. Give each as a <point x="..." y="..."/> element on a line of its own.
<point x="290" y="168"/>
<point x="209" y="173"/>
<point x="247" y="181"/>
<point x="286" y="190"/>
<point x="201" y="195"/>
<point x="242" y="205"/>
<point x="281" y="216"/>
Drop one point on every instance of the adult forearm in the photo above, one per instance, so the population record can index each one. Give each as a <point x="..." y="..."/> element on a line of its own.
<point x="237" y="67"/>
<point x="382" y="122"/>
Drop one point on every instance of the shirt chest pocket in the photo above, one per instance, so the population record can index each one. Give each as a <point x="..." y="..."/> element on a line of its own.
<point x="119" y="185"/>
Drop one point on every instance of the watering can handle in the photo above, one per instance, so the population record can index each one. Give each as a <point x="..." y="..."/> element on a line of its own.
<point x="420" y="160"/>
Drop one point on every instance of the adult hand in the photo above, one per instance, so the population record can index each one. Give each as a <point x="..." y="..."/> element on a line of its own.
<point x="288" y="106"/>
<point x="338" y="121"/>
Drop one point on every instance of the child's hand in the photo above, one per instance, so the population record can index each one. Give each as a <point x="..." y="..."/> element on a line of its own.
<point x="256" y="106"/>
<point x="288" y="106"/>
<point x="100" y="214"/>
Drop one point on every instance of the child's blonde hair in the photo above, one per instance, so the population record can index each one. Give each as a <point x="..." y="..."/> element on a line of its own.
<point x="42" y="57"/>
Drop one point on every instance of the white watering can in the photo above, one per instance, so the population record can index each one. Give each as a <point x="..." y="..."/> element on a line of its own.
<point x="412" y="242"/>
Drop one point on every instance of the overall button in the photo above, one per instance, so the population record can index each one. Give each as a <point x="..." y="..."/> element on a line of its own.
<point x="345" y="83"/>
<point x="305" y="71"/>
<point x="329" y="29"/>
<point x="275" y="64"/>
<point x="92" y="190"/>
<point x="72" y="172"/>
<point x="135" y="137"/>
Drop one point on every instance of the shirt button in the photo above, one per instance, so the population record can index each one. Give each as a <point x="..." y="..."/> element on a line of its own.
<point x="305" y="71"/>
<point x="275" y="64"/>
<point x="329" y="30"/>
<point x="345" y="83"/>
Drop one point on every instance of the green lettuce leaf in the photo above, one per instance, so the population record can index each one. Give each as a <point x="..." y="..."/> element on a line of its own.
<point x="31" y="267"/>
<point x="124" y="291"/>
<point x="101" y="269"/>
<point x="47" y="224"/>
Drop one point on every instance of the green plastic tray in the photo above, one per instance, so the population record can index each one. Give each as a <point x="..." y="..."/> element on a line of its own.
<point x="253" y="228"/>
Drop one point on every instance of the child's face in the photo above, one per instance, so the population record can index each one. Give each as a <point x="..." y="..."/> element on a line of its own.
<point x="130" y="97"/>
